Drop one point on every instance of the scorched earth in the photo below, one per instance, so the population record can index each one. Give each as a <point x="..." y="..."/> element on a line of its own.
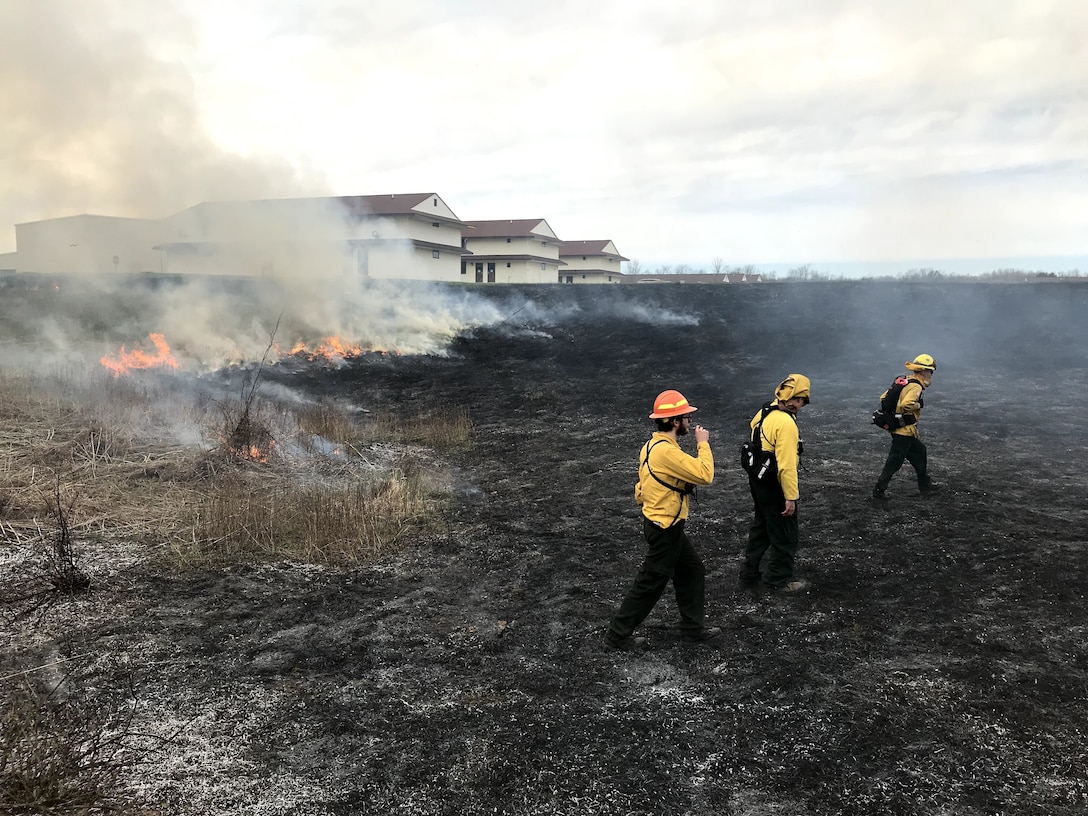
<point x="938" y="663"/>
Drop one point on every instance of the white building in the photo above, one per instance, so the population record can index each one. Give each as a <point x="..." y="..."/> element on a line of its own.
<point x="402" y="236"/>
<point x="590" y="262"/>
<point x="514" y="251"/>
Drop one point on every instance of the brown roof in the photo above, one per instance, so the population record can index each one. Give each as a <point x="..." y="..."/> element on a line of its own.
<point x="588" y="248"/>
<point x="355" y="206"/>
<point x="511" y="228"/>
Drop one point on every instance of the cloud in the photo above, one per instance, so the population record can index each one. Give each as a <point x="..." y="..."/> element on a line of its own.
<point x="683" y="131"/>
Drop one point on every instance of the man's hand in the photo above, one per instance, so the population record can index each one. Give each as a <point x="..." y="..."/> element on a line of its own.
<point x="701" y="434"/>
<point x="791" y="508"/>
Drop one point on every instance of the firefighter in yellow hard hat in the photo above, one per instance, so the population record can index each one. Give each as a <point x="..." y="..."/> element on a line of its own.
<point x="667" y="476"/>
<point x="774" y="536"/>
<point x="907" y="445"/>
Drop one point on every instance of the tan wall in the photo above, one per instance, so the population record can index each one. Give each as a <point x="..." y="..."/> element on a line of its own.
<point x="87" y="245"/>
<point x="396" y="263"/>
<point x="517" y="246"/>
<point x="520" y="271"/>
<point x="593" y="263"/>
<point x="587" y="277"/>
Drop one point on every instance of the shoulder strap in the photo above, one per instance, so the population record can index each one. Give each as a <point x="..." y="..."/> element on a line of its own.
<point x="646" y="461"/>
<point x="758" y="429"/>
<point x="650" y="470"/>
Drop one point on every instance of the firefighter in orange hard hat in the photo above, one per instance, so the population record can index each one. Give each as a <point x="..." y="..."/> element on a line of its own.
<point x="667" y="477"/>
<point x="907" y="445"/>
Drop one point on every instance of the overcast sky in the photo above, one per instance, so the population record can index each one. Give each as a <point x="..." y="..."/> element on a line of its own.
<point x="772" y="132"/>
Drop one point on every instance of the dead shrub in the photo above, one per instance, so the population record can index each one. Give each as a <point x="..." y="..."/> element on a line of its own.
<point x="56" y="759"/>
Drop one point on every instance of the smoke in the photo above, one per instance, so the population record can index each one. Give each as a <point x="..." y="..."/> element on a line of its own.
<point x="98" y="114"/>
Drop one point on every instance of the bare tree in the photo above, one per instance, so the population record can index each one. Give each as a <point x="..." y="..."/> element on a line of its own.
<point x="634" y="267"/>
<point x="718" y="265"/>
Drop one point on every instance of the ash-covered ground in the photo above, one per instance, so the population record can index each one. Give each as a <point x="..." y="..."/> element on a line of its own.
<point x="937" y="665"/>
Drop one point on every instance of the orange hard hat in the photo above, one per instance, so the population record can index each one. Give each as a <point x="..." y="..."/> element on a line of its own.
<point x="671" y="404"/>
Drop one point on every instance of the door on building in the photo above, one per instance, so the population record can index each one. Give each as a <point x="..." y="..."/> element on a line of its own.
<point x="479" y="273"/>
<point x="491" y="273"/>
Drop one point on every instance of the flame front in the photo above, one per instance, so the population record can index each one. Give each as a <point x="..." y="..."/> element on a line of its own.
<point x="332" y="349"/>
<point x="125" y="361"/>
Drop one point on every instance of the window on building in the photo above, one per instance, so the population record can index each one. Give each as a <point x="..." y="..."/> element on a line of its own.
<point x="508" y="240"/>
<point x="543" y="266"/>
<point x="435" y="224"/>
<point x="436" y="202"/>
<point x="508" y="264"/>
<point x="434" y="253"/>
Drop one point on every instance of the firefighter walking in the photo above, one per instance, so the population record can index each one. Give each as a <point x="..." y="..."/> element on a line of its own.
<point x="907" y="445"/>
<point x="667" y="476"/>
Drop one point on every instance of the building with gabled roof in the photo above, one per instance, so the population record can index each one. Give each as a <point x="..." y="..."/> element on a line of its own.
<point x="401" y="236"/>
<point x="590" y="262"/>
<point x="404" y="236"/>
<point x="510" y="251"/>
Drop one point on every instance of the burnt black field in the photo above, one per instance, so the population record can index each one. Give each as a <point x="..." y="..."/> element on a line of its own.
<point x="937" y="664"/>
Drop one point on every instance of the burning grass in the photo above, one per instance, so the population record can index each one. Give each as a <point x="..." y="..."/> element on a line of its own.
<point x="200" y="479"/>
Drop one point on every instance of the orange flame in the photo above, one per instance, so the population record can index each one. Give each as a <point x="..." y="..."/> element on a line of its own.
<point x="332" y="349"/>
<point x="125" y="361"/>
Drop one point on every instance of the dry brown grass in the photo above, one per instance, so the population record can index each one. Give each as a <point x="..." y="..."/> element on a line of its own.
<point x="309" y="491"/>
<point x="159" y="469"/>
<point x="53" y="759"/>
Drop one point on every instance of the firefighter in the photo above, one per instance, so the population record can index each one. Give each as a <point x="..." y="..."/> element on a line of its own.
<point x="774" y="531"/>
<point x="667" y="476"/>
<point x="906" y="443"/>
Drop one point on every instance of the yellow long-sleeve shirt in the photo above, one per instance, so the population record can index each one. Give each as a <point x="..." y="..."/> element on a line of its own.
<point x="660" y="504"/>
<point x="910" y="402"/>
<point x="780" y="435"/>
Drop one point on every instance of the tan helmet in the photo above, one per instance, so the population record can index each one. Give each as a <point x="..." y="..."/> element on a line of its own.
<point x="795" y="385"/>
<point x="671" y="404"/>
<point x="923" y="362"/>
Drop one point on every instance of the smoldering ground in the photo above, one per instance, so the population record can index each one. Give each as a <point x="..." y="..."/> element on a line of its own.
<point x="937" y="665"/>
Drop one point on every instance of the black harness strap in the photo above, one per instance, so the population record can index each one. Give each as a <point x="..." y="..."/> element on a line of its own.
<point x="682" y="491"/>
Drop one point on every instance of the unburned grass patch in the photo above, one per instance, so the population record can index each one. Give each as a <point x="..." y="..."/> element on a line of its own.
<point x="160" y="464"/>
<point x="326" y="524"/>
<point x="338" y="424"/>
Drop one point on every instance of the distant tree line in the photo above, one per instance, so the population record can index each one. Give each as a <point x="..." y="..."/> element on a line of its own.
<point x="808" y="273"/>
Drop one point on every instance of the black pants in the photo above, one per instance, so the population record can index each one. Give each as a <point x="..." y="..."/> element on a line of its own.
<point x="772" y="535"/>
<point x="670" y="555"/>
<point x="905" y="449"/>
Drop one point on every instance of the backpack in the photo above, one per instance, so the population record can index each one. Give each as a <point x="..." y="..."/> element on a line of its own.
<point x="755" y="461"/>
<point x="885" y="416"/>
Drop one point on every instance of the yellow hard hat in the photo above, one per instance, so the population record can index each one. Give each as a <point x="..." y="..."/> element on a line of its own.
<point x="795" y="385"/>
<point x="923" y="362"/>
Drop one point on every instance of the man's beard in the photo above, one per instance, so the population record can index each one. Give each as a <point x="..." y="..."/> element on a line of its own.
<point x="681" y="429"/>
